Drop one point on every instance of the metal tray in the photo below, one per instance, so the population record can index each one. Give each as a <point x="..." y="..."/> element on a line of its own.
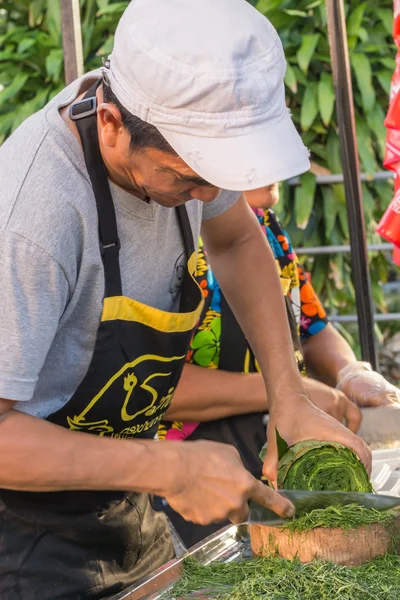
<point x="228" y="545"/>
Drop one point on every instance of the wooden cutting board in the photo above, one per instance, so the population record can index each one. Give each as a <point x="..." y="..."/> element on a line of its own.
<point x="351" y="548"/>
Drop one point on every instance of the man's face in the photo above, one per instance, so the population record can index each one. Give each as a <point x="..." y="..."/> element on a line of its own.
<point x="163" y="177"/>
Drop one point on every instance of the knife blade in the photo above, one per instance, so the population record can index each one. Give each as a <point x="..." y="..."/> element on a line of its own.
<point x="306" y="501"/>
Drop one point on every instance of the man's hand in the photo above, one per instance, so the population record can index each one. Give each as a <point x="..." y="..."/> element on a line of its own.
<point x="212" y="485"/>
<point x="300" y="420"/>
<point x="334" y="403"/>
<point x="366" y="387"/>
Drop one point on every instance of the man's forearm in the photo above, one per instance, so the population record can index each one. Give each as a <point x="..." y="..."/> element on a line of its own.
<point x="208" y="394"/>
<point x="326" y="353"/>
<point x="246" y="271"/>
<point x="39" y="456"/>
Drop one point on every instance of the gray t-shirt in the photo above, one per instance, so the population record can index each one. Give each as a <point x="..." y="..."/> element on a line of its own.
<point x="51" y="273"/>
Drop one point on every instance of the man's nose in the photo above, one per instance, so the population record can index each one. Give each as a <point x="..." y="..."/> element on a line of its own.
<point x="205" y="193"/>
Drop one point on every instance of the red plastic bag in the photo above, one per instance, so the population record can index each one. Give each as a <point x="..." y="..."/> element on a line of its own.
<point x="389" y="226"/>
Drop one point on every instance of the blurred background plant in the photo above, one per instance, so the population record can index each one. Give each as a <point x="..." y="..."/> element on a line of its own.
<point x="31" y="72"/>
<point x="31" y="56"/>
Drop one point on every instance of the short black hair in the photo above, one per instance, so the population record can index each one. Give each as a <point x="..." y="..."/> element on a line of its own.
<point x="143" y="135"/>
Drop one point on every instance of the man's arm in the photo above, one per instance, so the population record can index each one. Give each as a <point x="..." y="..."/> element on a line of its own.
<point x="203" y="481"/>
<point x="245" y="269"/>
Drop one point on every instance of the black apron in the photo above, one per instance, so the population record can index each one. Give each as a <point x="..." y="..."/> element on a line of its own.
<point x="81" y="544"/>
<point x="247" y="433"/>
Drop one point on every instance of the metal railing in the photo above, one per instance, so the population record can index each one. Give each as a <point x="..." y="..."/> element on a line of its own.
<point x="339" y="178"/>
<point x="378" y="317"/>
<point x="318" y="250"/>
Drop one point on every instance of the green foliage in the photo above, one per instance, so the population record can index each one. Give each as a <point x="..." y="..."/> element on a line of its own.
<point x="317" y="216"/>
<point x="31" y="56"/>
<point x="31" y="72"/>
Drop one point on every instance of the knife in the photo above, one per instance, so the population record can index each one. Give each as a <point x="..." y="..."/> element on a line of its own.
<point x="305" y="501"/>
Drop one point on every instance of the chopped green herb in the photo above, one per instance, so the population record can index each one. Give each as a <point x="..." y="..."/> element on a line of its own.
<point x="280" y="579"/>
<point x="344" y="517"/>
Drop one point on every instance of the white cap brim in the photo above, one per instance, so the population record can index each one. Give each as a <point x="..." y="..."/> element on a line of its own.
<point x="246" y="162"/>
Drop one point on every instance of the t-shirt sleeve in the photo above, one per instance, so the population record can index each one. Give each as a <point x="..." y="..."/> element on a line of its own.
<point x="225" y="200"/>
<point x="33" y="296"/>
<point x="313" y="317"/>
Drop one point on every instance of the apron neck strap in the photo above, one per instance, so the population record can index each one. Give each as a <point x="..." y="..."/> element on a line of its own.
<point x="84" y="113"/>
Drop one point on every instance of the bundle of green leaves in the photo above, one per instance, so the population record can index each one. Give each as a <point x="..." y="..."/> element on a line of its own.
<point x="314" y="465"/>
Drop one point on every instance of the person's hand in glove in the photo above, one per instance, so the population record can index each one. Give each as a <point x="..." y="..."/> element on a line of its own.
<point x="330" y="359"/>
<point x="366" y="387"/>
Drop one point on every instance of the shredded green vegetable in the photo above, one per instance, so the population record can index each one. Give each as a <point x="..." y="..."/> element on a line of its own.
<point x="345" y="517"/>
<point x="314" y="465"/>
<point x="280" y="579"/>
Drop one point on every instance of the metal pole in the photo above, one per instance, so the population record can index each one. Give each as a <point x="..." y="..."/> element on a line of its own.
<point x="72" y="39"/>
<point x="351" y="172"/>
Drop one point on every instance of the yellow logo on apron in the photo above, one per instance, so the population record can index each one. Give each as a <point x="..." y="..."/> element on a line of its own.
<point x="125" y="382"/>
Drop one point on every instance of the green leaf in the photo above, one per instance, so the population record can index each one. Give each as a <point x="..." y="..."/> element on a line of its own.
<point x="355" y="19"/>
<point x="363" y="73"/>
<point x="290" y="79"/>
<point x="363" y="35"/>
<point x="107" y="47"/>
<point x="365" y="149"/>
<point x="25" y="44"/>
<point x="326" y="98"/>
<point x="14" y="88"/>
<point x="313" y="4"/>
<point x="117" y="7"/>
<point x="330" y="210"/>
<point x="342" y="213"/>
<point x="53" y="18"/>
<point x="295" y="13"/>
<point x="375" y="120"/>
<point x="389" y="63"/>
<point x="386" y="16"/>
<point x="36" y="11"/>
<point x="102" y="3"/>
<point x="304" y="200"/>
<point x="385" y="79"/>
<point x="54" y="64"/>
<point x="282" y="446"/>
<point x="309" y="108"/>
<point x="306" y="51"/>
<point x="265" y="6"/>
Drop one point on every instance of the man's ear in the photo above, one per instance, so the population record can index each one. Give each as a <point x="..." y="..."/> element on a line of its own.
<point x="110" y="123"/>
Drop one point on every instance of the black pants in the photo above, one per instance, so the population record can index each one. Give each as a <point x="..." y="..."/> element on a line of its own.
<point x="83" y="551"/>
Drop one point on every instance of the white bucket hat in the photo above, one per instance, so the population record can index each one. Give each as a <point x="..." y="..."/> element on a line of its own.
<point x="209" y="75"/>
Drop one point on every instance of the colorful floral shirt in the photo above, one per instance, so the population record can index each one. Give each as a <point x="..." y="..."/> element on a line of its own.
<point x="307" y="309"/>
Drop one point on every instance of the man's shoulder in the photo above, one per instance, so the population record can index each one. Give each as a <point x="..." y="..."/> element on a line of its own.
<point x="45" y="196"/>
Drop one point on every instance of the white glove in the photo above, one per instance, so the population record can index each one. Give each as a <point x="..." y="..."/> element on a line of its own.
<point x="366" y="387"/>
